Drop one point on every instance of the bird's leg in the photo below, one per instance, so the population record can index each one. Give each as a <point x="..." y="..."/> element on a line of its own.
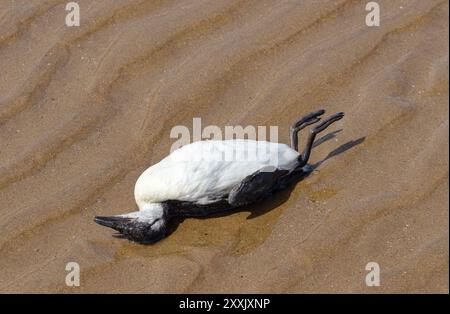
<point x="319" y="128"/>
<point x="300" y="124"/>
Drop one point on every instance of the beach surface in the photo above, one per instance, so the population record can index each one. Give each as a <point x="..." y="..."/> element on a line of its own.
<point x="84" y="110"/>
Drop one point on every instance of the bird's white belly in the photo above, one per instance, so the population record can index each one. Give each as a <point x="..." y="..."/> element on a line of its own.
<point x="203" y="171"/>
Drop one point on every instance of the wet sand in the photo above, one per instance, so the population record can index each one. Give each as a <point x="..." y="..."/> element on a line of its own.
<point x="84" y="110"/>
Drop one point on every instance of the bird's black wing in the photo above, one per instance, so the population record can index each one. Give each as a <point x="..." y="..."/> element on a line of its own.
<point x="256" y="186"/>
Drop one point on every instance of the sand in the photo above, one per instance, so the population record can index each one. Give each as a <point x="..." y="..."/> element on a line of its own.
<point x="84" y="110"/>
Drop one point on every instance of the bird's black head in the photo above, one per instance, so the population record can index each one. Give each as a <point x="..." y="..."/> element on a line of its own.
<point x="138" y="229"/>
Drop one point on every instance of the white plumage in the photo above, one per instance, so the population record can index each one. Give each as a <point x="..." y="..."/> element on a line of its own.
<point x="202" y="171"/>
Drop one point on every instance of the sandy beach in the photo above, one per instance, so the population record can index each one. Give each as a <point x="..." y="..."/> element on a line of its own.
<point x="84" y="110"/>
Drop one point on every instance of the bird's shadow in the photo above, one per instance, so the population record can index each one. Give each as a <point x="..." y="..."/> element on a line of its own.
<point x="280" y="197"/>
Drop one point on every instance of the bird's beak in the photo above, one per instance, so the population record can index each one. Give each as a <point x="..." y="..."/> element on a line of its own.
<point x="115" y="222"/>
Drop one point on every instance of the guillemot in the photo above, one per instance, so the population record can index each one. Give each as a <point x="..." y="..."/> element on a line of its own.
<point x="207" y="177"/>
